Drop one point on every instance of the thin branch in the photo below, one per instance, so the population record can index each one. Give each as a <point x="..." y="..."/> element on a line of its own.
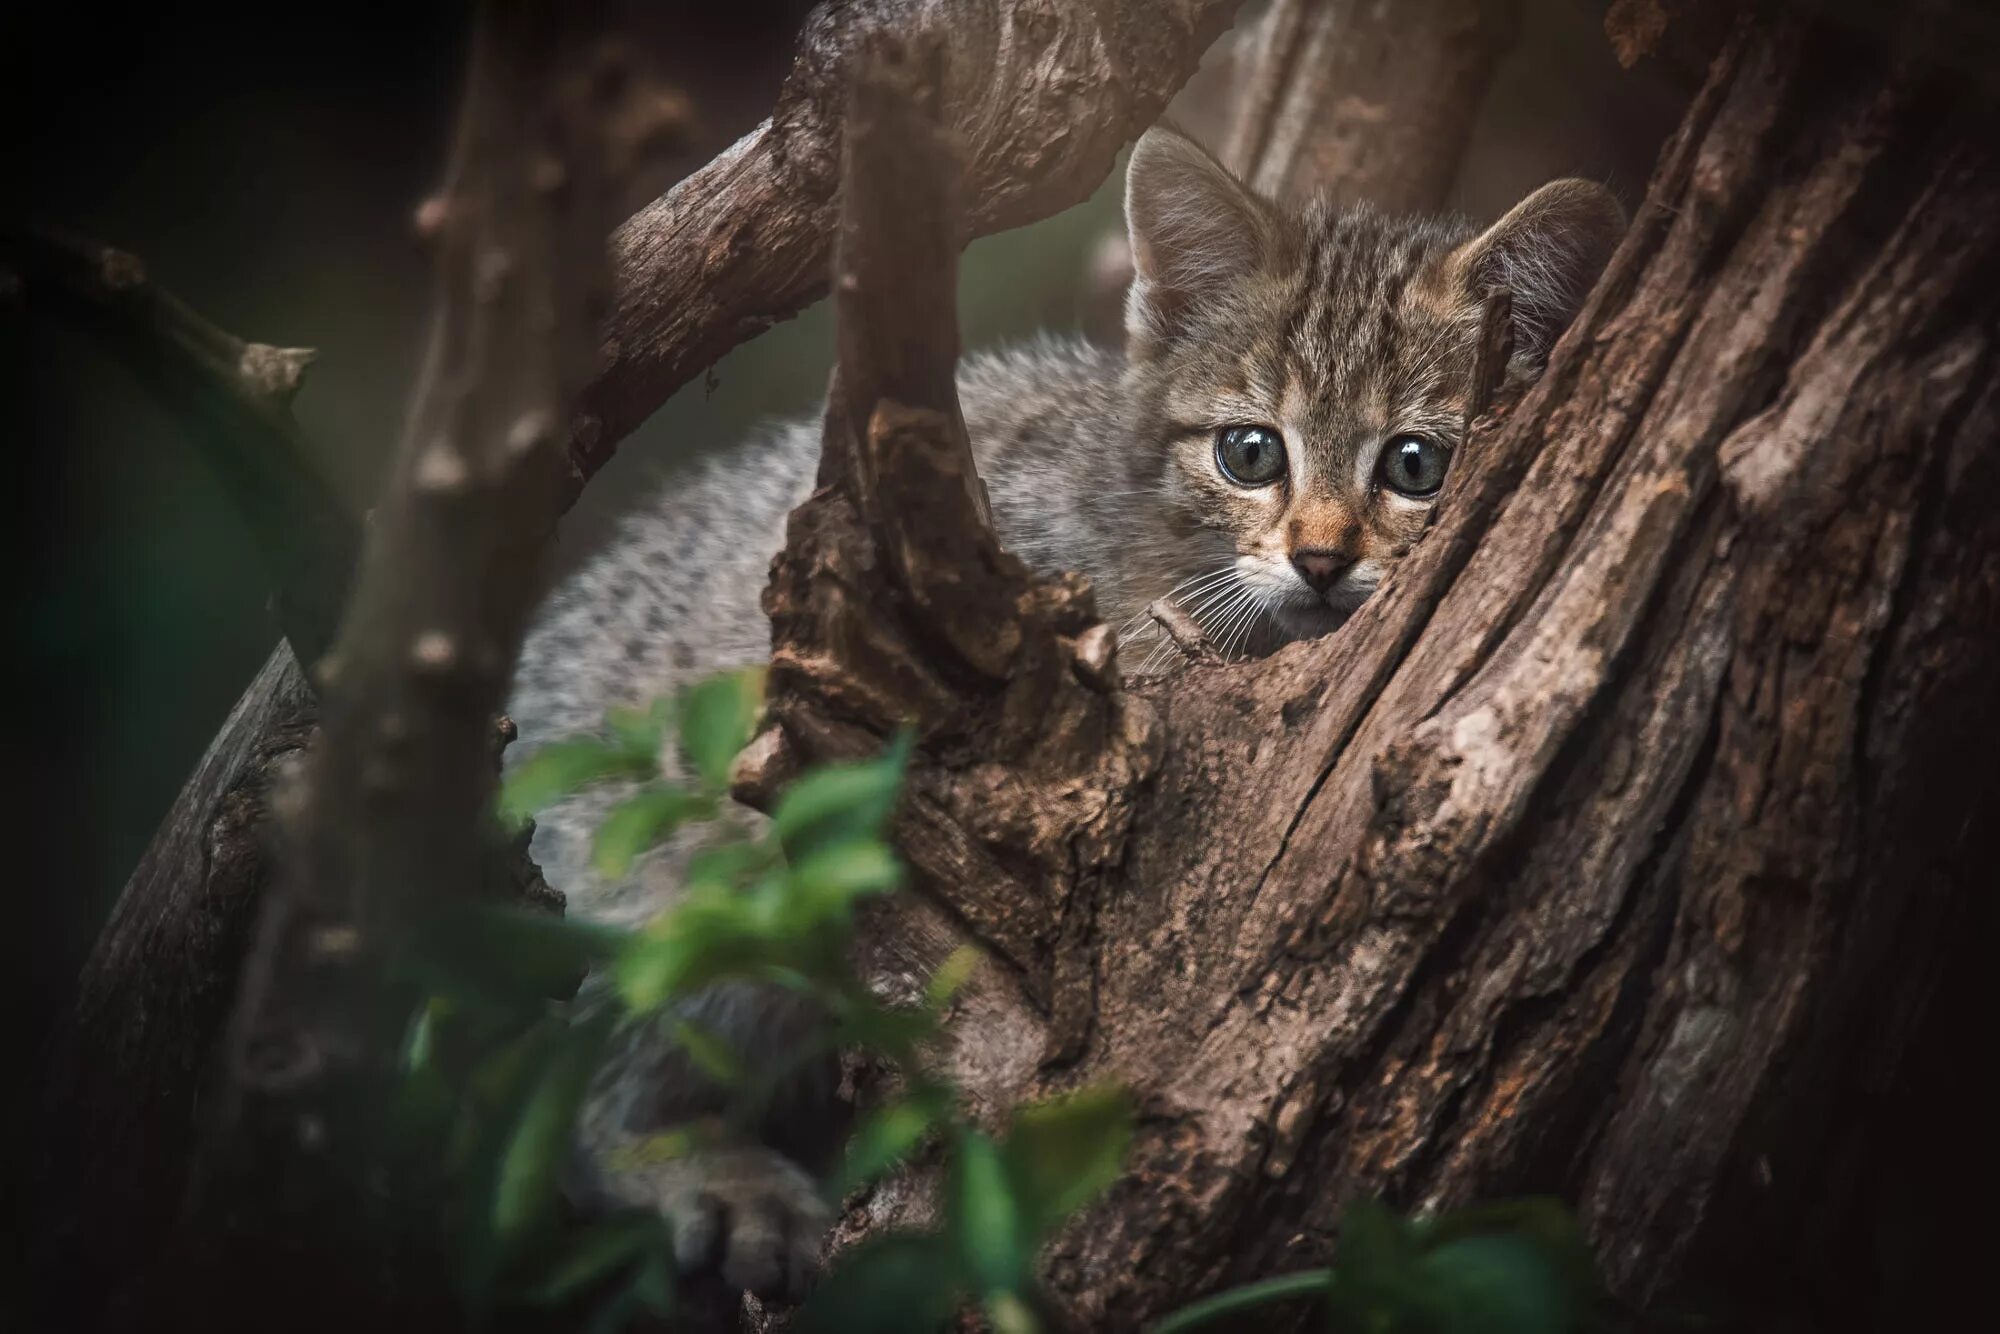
<point x="1183" y="629"/>
<point x="237" y="393"/>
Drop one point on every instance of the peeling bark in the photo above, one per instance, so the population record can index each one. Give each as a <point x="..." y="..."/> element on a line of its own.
<point x="1630" y="816"/>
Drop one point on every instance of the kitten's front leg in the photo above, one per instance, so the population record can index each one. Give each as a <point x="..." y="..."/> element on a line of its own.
<point x="747" y="1208"/>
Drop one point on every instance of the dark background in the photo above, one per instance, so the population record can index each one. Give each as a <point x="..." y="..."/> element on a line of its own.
<point x="264" y="162"/>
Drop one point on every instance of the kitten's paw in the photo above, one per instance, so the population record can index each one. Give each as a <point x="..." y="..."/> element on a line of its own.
<point x="751" y="1215"/>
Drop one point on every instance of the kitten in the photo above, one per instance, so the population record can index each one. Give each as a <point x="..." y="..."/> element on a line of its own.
<point x="1264" y="450"/>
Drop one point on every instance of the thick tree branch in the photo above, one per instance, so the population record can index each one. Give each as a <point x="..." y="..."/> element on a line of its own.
<point x="1041" y="95"/>
<point x="894" y="604"/>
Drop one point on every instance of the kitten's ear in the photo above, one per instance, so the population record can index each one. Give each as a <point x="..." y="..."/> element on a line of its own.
<point x="1195" y="229"/>
<point x="1547" y="252"/>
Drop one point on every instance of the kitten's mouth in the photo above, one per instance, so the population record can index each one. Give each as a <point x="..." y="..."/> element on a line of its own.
<point x="1308" y="613"/>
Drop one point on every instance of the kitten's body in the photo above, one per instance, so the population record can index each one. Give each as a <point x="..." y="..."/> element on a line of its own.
<point x="1335" y="333"/>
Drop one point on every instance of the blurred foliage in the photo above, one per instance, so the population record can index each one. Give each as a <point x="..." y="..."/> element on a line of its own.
<point x="1520" y="1267"/>
<point x="500" y="1057"/>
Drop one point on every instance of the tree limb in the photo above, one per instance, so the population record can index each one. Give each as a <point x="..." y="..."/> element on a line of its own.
<point x="393" y="816"/>
<point x="237" y="393"/>
<point x="1041" y="96"/>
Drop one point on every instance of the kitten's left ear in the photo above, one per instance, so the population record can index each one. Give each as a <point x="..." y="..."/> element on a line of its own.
<point x="1547" y="252"/>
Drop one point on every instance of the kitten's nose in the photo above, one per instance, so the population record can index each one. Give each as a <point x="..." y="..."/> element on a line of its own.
<point x="1320" y="568"/>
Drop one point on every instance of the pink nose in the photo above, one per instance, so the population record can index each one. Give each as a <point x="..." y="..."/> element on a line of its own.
<point x="1319" y="568"/>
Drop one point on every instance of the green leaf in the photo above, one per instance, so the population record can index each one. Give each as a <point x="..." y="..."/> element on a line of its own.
<point x="1062" y="1152"/>
<point x="1497" y="1284"/>
<point x="894" y="1032"/>
<point x="728" y="865"/>
<point x="710" y="1052"/>
<point x="1235" y="1302"/>
<point x="993" y="1235"/>
<point x="890" y="1285"/>
<point x="1377" y="1281"/>
<point x="1006" y="1313"/>
<point x="512" y="958"/>
<point x="650" y="971"/>
<point x="420" y="1043"/>
<point x="640" y="731"/>
<point x="832" y="878"/>
<point x="654" y="1284"/>
<point x="837" y="802"/>
<point x="950" y="977"/>
<point x="561" y="767"/>
<point x="596" y="1252"/>
<point x="889" y="1136"/>
<point x="525" y="1188"/>
<point x="716" y="718"/>
<point x="642" y="821"/>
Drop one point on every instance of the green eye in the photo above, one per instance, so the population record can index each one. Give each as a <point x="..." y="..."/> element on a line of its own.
<point x="1250" y="455"/>
<point x="1414" y="465"/>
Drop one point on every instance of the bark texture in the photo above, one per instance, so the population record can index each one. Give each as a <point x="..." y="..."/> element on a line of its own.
<point x="1611" y="850"/>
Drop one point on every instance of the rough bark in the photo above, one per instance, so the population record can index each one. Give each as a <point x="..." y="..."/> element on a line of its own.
<point x="1042" y="95"/>
<point x="1606" y="850"/>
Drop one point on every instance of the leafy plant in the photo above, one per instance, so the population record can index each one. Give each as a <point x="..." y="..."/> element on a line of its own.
<point x="499" y="1060"/>
<point x="498" y="1063"/>
<point x="1515" y="1268"/>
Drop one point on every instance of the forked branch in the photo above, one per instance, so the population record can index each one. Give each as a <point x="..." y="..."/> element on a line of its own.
<point x="894" y="603"/>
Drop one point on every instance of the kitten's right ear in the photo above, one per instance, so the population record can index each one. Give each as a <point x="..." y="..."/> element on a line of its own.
<point x="1547" y="252"/>
<point x="1195" y="229"/>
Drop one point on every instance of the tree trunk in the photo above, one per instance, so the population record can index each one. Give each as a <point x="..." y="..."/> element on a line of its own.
<point x="1612" y="850"/>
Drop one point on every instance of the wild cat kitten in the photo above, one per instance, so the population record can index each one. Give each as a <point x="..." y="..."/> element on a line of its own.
<point x="1264" y="449"/>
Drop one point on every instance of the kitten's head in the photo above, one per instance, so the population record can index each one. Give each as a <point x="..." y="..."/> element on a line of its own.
<point x="1299" y="374"/>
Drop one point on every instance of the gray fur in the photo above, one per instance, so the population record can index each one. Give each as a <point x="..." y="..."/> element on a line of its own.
<point x="1340" y="328"/>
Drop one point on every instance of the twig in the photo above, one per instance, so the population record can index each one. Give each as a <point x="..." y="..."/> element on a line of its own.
<point x="1183" y="629"/>
<point x="237" y="393"/>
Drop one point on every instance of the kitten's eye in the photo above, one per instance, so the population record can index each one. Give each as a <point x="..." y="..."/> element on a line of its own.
<point x="1250" y="455"/>
<point x="1414" y="465"/>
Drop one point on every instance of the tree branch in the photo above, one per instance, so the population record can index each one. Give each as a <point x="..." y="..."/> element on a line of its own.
<point x="238" y="394"/>
<point x="1041" y="95"/>
<point x="894" y="603"/>
<point x="393" y="816"/>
